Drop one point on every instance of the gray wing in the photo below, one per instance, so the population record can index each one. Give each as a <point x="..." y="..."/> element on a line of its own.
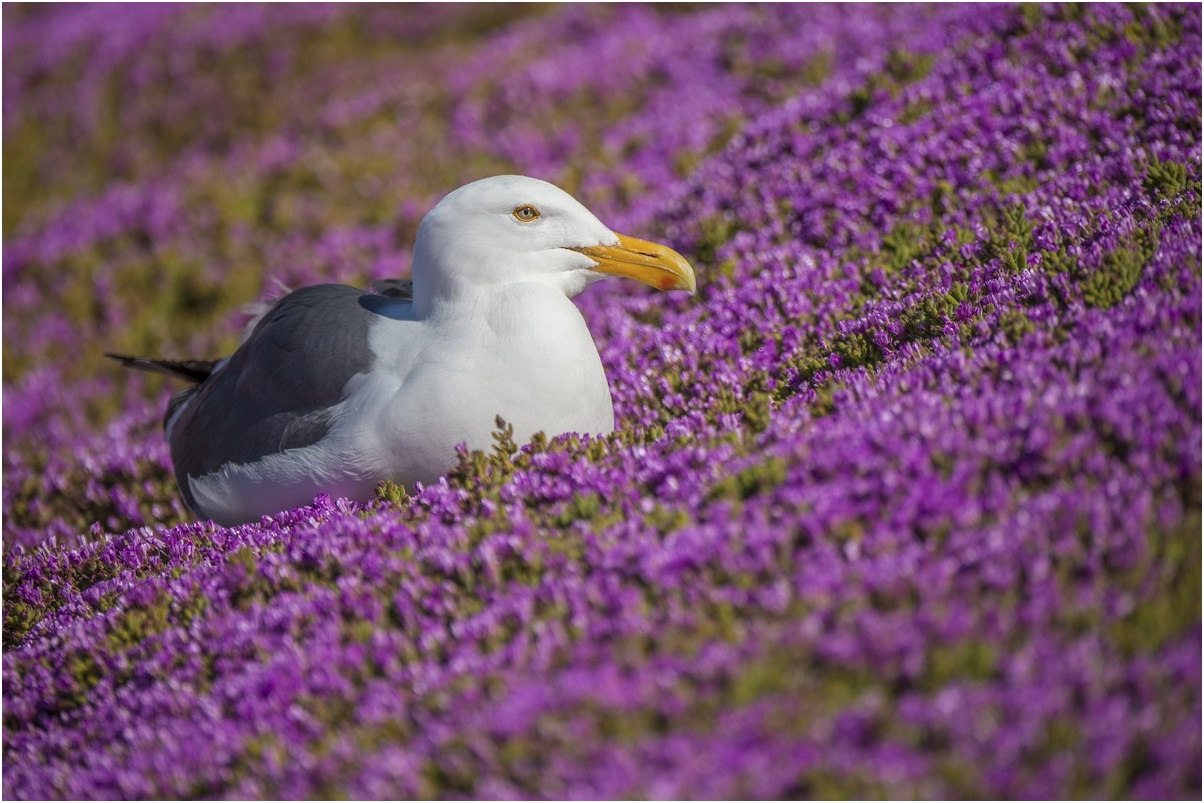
<point x="276" y="390"/>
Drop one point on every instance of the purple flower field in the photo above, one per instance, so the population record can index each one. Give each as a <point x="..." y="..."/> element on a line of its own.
<point x="905" y="502"/>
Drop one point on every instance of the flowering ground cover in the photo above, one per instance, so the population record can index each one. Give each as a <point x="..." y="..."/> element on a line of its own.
<point x="905" y="502"/>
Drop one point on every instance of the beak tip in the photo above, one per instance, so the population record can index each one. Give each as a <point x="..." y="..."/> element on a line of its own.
<point x="689" y="280"/>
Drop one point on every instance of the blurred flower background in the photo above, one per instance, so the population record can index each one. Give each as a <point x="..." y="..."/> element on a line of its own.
<point x="905" y="502"/>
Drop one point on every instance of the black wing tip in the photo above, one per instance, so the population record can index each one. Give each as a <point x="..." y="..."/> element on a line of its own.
<point x="194" y="371"/>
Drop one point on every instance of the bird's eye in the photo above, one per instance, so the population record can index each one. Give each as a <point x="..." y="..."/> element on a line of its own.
<point x="526" y="213"/>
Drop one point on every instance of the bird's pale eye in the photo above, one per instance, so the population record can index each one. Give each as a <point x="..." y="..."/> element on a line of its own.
<point x="526" y="213"/>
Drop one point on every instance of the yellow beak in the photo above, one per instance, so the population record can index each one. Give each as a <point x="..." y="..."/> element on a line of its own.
<point x="650" y="263"/>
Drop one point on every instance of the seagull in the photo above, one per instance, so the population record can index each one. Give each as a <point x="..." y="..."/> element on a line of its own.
<point x="336" y="389"/>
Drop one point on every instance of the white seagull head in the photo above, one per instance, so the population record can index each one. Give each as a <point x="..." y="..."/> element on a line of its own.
<point x="508" y="229"/>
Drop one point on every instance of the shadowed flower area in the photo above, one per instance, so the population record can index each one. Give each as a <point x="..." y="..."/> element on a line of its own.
<point x="905" y="502"/>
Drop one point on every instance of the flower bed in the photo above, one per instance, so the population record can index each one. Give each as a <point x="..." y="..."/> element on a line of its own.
<point x="905" y="502"/>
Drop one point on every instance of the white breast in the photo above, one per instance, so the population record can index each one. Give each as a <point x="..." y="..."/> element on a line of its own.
<point x="524" y="354"/>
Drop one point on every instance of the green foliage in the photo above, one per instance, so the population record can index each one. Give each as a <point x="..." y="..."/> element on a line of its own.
<point x="916" y="110"/>
<point x="139" y="622"/>
<point x="757" y="411"/>
<point x="1108" y="286"/>
<point x="1165" y="179"/>
<point x="1154" y="32"/>
<point x="1011" y="236"/>
<point x="902" y="67"/>
<point x="825" y="399"/>
<point x="582" y="507"/>
<point x="504" y="447"/>
<point x="1015" y="259"/>
<point x="834" y="784"/>
<point x="1059" y="261"/>
<point x="486" y="473"/>
<point x="905" y="67"/>
<point x="85" y="673"/>
<point x="1032" y="15"/>
<point x="941" y="197"/>
<point x="392" y="492"/>
<point x="902" y="244"/>
<point x="752" y="481"/>
<point x="19" y="618"/>
<point x="714" y="233"/>
<point x="967" y="661"/>
<point x="1015" y="324"/>
<point x="1172" y="570"/>
<point x="925" y="319"/>
<point x="1121" y="270"/>
<point x="817" y="68"/>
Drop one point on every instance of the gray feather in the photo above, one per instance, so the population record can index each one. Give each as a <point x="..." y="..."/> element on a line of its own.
<point x="276" y="390"/>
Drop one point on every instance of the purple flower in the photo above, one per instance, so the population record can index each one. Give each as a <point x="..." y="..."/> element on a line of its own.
<point x="905" y="503"/>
